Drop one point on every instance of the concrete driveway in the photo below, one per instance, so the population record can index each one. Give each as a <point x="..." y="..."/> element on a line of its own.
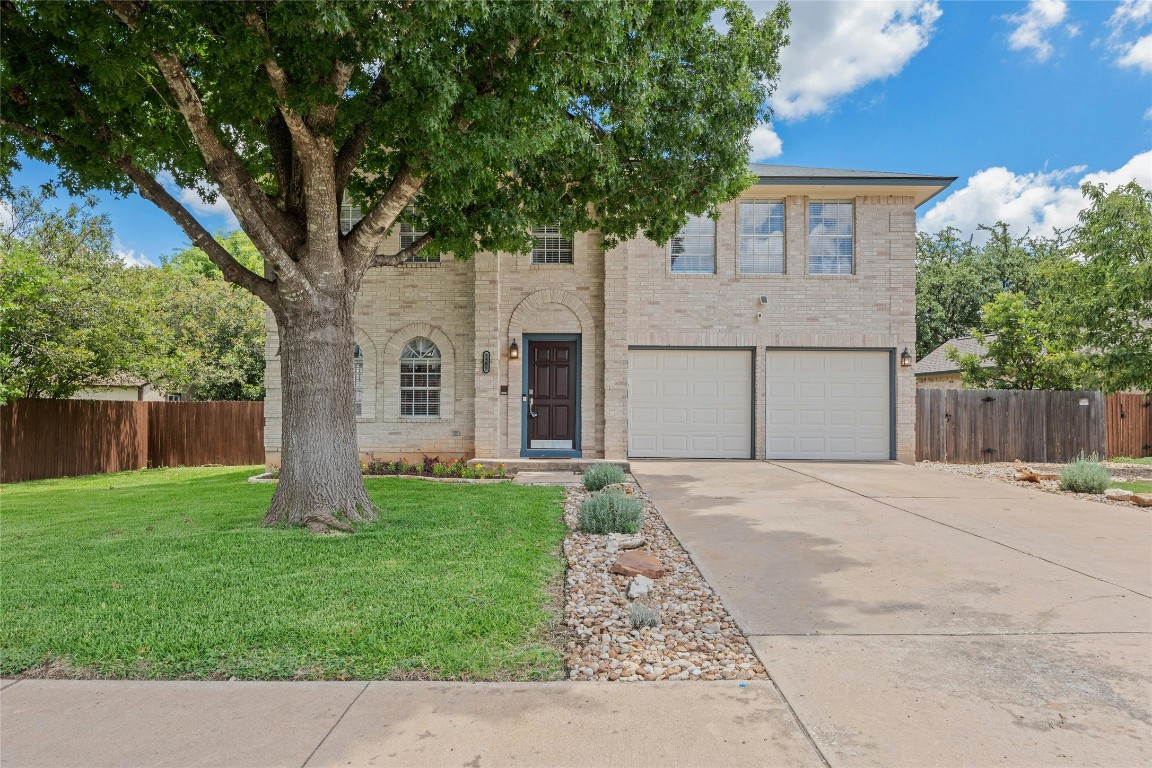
<point x="911" y="617"/>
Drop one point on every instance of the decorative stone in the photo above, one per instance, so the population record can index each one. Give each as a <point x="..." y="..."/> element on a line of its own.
<point x="1118" y="494"/>
<point x="1141" y="499"/>
<point x="1046" y="475"/>
<point x="640" y="586"/>
<point x="632" y="542"/>
<point x="633" y="563"/>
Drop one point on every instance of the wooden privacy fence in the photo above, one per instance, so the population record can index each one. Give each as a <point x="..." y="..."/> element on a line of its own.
<point x="973" y="426"/>
<point x="1129" y="419"/>
<point x="61" y="438"/>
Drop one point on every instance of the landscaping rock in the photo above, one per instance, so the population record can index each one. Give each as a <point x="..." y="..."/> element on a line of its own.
<point x="1118" y="494"/>
<point x="625" y="488"/>
<point x="1141" y="499"/>
<point x="635" y="563"/>
<point x="640" y="586"/>
<point x="632" y="542"/>
<point x="1046" y="476"/>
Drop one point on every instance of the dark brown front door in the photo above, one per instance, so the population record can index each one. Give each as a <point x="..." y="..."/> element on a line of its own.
<point x="552" y="378"/>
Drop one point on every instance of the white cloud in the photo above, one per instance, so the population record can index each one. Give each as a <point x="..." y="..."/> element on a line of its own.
<point x="765" y="143"/>
<point x="1039" y="202"/>
<point x="1148" y="114"/>
<point x="838" y="47"/>
<point x="1136" y="14"/>
<point x="130" y="257"/>
<point x="1033" y="26"/>
<point x="1138" y="54"/>
<point x="197" y="204"/>
<point x="7" y="217"/>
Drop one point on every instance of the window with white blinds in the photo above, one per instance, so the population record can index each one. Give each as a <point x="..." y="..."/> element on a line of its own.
<point x="761" y="236"/>
<point x="693" y="249"/>
<point x="830" y="237"/>
<point x="550" y="247"/>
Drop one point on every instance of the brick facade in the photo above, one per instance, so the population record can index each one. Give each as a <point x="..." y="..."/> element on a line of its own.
<point x="616" y="299"/>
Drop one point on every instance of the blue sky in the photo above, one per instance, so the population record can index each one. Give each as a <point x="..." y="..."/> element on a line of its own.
<point x="1021" y="100"/>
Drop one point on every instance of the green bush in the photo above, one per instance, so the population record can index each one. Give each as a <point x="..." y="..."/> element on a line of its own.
<point x="597" y="476"/>
<point x="1085" y="475"/>
<point x="611" y="512"/>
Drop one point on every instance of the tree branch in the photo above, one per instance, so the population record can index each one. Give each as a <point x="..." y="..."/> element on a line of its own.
<point x="361" y="243"/>
<point x="353" y="147"/>
<point x="235" y="272"/>
<point x="404" y="254"/>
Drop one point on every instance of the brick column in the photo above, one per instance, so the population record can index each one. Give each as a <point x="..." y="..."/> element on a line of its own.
<point x="616" y="352"/>
<point x="489" y="338"/>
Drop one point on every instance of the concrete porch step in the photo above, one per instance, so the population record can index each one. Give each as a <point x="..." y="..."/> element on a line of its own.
<point x="520" y="464"/>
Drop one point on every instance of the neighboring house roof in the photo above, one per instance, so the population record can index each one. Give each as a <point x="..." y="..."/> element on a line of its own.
<point x="816" y="180"/>
<point x="119" y="380"/>
<point x="937" y="361"/>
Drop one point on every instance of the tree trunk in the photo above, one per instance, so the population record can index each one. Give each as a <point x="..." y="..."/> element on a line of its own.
<point x="321" y="486"/>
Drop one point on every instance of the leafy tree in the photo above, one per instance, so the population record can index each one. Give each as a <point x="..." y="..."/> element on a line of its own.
<point x="1026" y="352"/>
<point x="194" y="261"/>
<point x="68" y="313"/>
<point x="950" y="288"/>
<point x="1102" y="298"/>
<point x="619" y="117"/>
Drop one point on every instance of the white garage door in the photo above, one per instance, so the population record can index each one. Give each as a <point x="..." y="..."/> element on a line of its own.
<point x="690" y="403"/>
<point x="828" y="404"/>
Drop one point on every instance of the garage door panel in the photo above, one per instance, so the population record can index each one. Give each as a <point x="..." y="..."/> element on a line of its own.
<point x="701" y="401"/>
<point x="833" y="404"/>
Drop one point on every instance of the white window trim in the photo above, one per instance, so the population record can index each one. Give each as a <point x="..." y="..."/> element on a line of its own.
<point x="436" y="359"/>
<point x="783" y="238"/>
<point x="547" y="253"/>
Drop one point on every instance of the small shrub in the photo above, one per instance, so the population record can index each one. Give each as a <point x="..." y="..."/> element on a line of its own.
<point x="1085" y="475"/>
<point x="643" y="615"/>
<point x="441" y="470"/>
<point x="597" y="476"/>
<point x="611" y="512"/>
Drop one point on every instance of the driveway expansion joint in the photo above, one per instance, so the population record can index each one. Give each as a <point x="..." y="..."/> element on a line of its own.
<point x="338" y="721"/>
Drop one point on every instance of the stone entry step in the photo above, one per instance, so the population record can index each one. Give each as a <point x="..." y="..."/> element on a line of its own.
<point x="519" y="464"/>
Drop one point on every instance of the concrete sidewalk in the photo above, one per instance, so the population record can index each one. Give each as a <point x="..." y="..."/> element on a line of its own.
<point x="913" y="617"/>
<point x="473" y="725"/>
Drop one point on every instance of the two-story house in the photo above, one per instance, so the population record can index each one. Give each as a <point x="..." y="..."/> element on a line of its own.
<point x="775" y="332"/>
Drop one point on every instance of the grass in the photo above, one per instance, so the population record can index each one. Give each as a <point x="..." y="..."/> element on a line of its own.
<point x="1141" y="486"/>
<point x="1131" y="460"/>
<point x="165" y="573"/>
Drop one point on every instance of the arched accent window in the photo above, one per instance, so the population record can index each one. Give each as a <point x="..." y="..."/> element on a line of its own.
<point x="358" y="378"/>
<point x="420" y="378"/>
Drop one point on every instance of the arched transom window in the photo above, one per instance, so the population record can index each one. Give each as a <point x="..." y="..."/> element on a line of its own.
<point x="420" y="378"/>
<point x="358" y="378"/>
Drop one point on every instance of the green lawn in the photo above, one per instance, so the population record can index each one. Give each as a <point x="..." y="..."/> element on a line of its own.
<point x="165" y="573"/>
<point x="1138" y="487"/>
<point x="1132" y="460"/>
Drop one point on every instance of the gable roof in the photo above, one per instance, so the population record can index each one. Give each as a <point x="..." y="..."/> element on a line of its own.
<point x="817" y="180"/>
<point x="936" y="361"/>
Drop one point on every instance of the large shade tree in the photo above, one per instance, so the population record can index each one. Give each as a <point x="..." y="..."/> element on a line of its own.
<point x="491" y="117"/>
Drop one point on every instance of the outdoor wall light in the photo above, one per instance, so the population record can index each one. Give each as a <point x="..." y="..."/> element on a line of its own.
<point x="905" y="359"/>
<point x="486" y="362"/>
<point x="514" y="351"/>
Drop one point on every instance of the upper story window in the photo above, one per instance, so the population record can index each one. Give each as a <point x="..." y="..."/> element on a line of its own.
<point x="550" y="247"/>
<point x="761" y="235"/>
<point x="350" y="216"/>
<point x="693" y="249"/>
<point x="830" y="237"/>
<point x="410" y="234"/>
<point x="358" y="378"/>
<point x="420" y="378"/>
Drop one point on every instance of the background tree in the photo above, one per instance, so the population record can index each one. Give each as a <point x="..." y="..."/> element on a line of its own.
<point x="1102" y="297"/>
<point x="208" y="334"/>
<point x="69" y="314"/>
<point x="619" y="117"/>
<point x="1025" y="351"/>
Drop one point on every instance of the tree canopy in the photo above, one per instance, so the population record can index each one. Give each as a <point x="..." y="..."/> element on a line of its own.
<point x="491" y="117"/>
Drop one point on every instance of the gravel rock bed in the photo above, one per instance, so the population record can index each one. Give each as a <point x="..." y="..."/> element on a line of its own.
<point x="695" y="639"/>
<point x="1005" y="472"/>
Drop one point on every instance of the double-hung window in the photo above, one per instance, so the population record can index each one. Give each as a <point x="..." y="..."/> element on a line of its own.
<point x="693" y="249"/>
<point x="762" y="237"/>
<point x="550" y="247"/>
<point x="358" y="378"/>
<point x="420" y="378"/>
<point x="350" y="216"/>
<point x="409" y="234"/>
<point x="830" y="237"/>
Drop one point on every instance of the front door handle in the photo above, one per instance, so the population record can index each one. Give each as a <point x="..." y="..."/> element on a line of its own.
<point x="531" y="409"/>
